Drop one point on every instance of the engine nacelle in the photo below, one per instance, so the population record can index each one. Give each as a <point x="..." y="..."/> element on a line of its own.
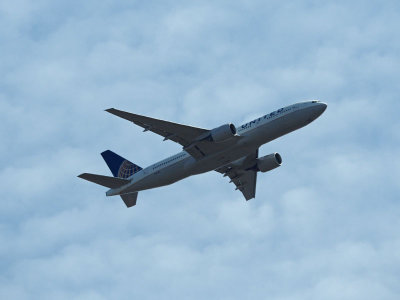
<point x="223" y="133"/>
<point x="269" y="162"/>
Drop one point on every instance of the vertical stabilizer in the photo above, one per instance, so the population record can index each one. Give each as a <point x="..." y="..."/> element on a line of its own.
<point x="119" y="166"/>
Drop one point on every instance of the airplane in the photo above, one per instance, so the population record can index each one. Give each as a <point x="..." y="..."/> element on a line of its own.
<point x="227" y="149"/>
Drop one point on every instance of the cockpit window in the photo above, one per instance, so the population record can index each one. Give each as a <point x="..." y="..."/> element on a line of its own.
<point x="315" y="101"/>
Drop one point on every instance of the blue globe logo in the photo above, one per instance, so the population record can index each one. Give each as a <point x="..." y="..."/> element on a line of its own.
<point x="127" y="169"/>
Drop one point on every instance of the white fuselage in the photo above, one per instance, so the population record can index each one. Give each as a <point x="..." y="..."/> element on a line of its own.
<point x="252" y="135"/>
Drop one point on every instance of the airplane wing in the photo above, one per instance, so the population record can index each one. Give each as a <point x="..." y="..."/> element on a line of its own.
<point x="244" y="177"/>
<point x="191" y="138"/>
<point x="179" y="133"/>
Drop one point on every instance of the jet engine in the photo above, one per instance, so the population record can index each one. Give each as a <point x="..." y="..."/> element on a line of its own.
<point x="269" y="162"/>
<point x="223" y="133"/>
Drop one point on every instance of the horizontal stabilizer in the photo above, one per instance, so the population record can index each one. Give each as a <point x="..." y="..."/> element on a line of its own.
<point x="110" y="182"/>
<point x="129" y="199"/>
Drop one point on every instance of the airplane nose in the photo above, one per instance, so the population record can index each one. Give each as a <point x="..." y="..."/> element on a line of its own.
<point x="322" y="106"/>
<point x="319" y="109"/>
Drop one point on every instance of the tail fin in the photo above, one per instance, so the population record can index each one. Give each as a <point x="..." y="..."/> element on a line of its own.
<point x="119" y="166"/>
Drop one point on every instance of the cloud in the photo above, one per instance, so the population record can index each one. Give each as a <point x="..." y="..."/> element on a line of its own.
<point x="324" y="225"/>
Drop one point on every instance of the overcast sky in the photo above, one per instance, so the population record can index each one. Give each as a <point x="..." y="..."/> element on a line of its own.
<point x="326" y="225"/>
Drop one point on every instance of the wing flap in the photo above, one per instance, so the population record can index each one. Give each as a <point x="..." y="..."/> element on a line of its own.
<point x="110" y="182"/>
<point x="178" y="133"/>
<point x="246" y="183"/>
<point x="244" y="176"/>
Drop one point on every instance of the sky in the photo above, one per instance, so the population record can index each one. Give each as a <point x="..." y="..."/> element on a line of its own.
<point x="325" y="225"/>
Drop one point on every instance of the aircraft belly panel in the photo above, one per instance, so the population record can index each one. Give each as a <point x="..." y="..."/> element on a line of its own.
<point x="220" y="159"/>
<point x="165" y="176"/>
